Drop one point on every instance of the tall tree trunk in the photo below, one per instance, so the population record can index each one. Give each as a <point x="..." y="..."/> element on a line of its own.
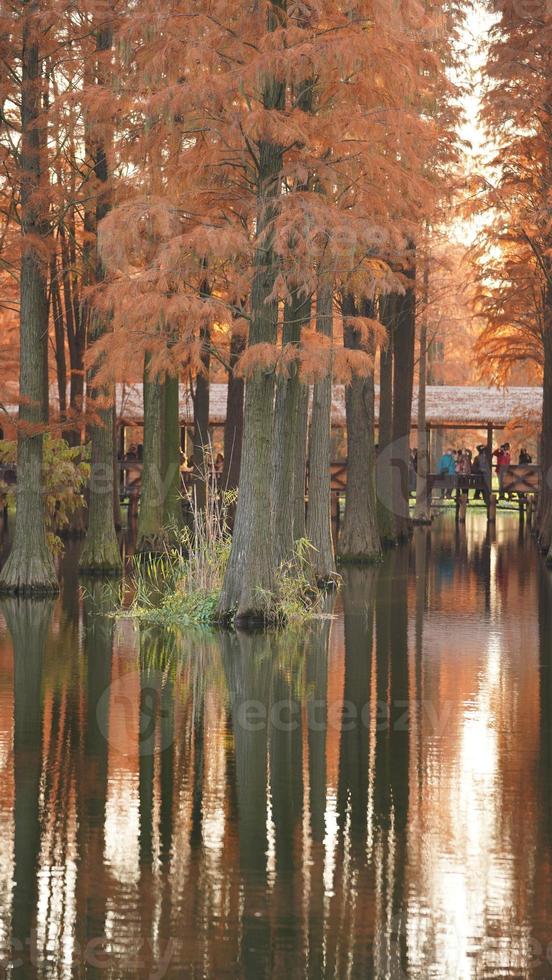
<point x="435" y="353"/>
<point x="319" y="520"/>
<point x="100" y="554"/>
<point x="171" y="456"/>
<point x="422" y="511"/>
<point x="300" y="466"/>
<point x="201" y="440"/>
<point x="59" y="338"/>
<point x="288" y="432"/>
<point x="233" y="428"/>
<point x="545" y="516"/>
<point x="384" y="476"/>
<point x="30" y="567"/>
<point x="151" y="535"/>
<point x="403" y="382"/>
<point x="359" y="540"/>
<point x="248" y="589"/>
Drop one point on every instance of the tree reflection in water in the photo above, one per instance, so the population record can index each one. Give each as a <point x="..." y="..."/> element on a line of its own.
<point x="370" y="798"/>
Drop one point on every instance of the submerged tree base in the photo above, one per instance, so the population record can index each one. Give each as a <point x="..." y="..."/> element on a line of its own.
<point x="183" y="587"/>
<point x="27" y="575"/>
<point x="100" y="558"/>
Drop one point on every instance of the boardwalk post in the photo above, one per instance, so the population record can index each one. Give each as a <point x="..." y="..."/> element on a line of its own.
<point x="492" y="508"/>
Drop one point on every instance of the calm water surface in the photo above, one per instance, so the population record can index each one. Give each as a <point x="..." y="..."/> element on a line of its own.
<point x="372" y="799"/>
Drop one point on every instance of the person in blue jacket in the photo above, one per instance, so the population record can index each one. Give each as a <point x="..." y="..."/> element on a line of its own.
<point x="447" y="467"/>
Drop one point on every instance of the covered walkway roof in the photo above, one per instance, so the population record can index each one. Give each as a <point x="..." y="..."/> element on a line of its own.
<point x="447" y="407"/>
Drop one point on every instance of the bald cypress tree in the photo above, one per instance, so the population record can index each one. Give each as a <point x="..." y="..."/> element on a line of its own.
<point x="30" y="567"/>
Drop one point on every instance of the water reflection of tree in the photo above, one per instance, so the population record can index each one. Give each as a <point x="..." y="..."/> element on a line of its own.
<point x="391" y="795"/>
<point x="248" y="665"/>
<point x="98" y="605"/>
<point x="27" y="621"/>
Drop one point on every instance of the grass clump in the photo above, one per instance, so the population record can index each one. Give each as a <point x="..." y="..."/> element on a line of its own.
<point x="182" y="586"/>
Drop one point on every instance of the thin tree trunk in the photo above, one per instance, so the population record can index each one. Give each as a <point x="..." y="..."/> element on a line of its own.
<point x="422" y="511"/>
<point x="171" y="456"/>
<point x="300" y="466"/>
<point x="30" y="567"/>
<point x="434" y="377"/>
<point x="403" y="381"/>
<point x="201" y="424"/>
<point x="59" y="338"/>
<point x="100" y="554"/>
<point x="384" y="481"/>
<point x="545" y="517"/>
<point x="233" y="428"/>
<point x="359" y="540"/>
<point x="288" y="432"/>
<point x="248" y="590"/>
<point x="319" y="519"/>
<point x="150" y="519"/>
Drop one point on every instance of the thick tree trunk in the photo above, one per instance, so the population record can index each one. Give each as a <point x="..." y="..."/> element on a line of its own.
<point x="233" y="428"/>
<point x="319" y="520"/>
<point x="384" y="476"/>
<point x="100" y="554"/>
<point x="171" y="457"/>
<point x="151" y="536"/>
<point x="30" y="567"/>
<point x="403" y="381"/>
<point x="249" y="583"/>
<point x="359" y="540"/>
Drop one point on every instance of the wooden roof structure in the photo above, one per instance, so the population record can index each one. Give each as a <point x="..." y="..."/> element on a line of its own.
<point x="452" y="407"/>
<point x="447" y="406"/>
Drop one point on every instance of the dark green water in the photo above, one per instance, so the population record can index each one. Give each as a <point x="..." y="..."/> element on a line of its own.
<point x="372" y="799"/>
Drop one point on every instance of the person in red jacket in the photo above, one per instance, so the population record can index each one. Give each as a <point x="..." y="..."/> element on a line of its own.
<point x="503" y="459"/>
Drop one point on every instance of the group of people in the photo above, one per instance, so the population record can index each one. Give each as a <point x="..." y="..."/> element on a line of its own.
<point x="462" y="462"/>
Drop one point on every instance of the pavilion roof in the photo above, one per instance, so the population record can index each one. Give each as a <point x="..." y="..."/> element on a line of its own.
<point x="447" y="406"/>
<point x="456" y="406"/>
